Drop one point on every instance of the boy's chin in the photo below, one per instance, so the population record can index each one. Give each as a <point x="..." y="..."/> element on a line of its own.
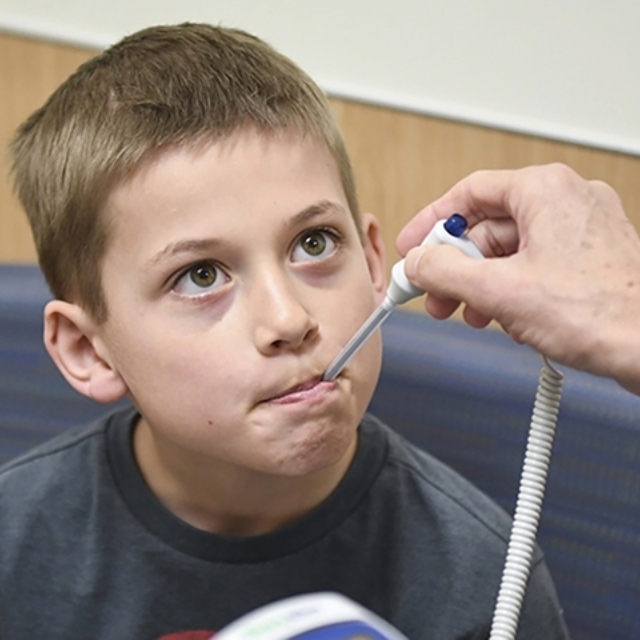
<point x="324" y="452"/>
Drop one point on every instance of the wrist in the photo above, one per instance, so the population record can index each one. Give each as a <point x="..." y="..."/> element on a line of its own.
<point x="628" y="375"/>
<point x="619" y="356"/>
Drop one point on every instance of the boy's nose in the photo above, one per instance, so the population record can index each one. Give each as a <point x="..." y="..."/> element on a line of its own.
<point x="282" y="323"/>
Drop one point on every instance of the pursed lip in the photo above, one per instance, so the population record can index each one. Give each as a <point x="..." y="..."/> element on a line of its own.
<point x="301" y="391"/>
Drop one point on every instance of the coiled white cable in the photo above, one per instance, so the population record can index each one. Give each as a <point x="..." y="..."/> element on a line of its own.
<point x="533" y="482"/>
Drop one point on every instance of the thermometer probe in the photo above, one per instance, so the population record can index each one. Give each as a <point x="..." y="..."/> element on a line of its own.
<point x="450" y="231"/>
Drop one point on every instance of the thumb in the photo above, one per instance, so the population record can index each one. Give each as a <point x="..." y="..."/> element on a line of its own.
<point x="447" y="273"/>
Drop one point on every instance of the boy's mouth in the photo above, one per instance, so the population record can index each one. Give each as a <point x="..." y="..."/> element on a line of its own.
<point x="302" y="391"/>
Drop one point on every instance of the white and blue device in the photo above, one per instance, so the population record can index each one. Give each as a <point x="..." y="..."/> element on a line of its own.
<point x="311" y="616"/>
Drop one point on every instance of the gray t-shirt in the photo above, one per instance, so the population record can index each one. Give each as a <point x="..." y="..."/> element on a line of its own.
<point x="87" y="551"/>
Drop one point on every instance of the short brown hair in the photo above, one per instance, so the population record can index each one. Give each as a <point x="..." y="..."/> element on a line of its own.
<point x="156" y="89"/>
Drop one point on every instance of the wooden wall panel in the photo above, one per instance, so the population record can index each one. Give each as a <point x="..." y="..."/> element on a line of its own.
<point x="30" y="70"/>
<point x="402" y="160"/>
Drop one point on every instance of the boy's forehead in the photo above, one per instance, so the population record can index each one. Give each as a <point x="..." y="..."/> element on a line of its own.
<point x="174" y="180"/>
<point x="248" y="137"/>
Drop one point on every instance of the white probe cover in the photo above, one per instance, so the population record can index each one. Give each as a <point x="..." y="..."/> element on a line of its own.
<point x="400" y="289"/>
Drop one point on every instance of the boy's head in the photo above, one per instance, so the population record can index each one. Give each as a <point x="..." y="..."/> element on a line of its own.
<point x="195" y="215"/>
<point x="161" y="88"/>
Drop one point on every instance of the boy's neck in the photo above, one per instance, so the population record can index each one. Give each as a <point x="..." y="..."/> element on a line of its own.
<point x="220" y="498"/>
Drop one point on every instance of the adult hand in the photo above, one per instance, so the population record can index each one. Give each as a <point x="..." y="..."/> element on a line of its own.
<point x="564" y="268"/>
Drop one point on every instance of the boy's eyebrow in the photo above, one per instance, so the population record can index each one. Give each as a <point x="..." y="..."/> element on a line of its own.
<point x="183" y="246"/>
<point x="207" y="244"/>
<point x="314" y="210"/>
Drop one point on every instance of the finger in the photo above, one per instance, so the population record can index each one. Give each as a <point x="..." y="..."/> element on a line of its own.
<point x="448" y="274"/>
<point x="474" y="318"/>
<point x="440" y="308"/>
<point x="443" y="308"/>
<point x="496" y="238"/>
<point x="481" y="195"/>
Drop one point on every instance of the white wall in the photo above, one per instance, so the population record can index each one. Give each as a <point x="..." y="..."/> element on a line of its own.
<point x="565" y="69"/>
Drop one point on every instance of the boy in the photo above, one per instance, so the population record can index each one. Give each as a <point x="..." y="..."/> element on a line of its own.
<point x="195" y="216"/>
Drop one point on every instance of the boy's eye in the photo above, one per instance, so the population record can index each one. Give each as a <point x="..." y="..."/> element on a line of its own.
<point x="199" y="279"/>
<point x="314" y="245"/>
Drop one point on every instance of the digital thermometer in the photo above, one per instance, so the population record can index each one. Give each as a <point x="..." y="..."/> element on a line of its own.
<point x="450" y="231"/>
<point x="535" y="467"/>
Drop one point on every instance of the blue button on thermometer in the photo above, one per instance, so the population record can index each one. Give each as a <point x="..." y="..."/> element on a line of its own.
<point x="450" y="231"/>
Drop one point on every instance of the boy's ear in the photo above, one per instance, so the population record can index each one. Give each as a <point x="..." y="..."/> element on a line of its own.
<point x="74" y="345"/>
<point x="374" y="252"/>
